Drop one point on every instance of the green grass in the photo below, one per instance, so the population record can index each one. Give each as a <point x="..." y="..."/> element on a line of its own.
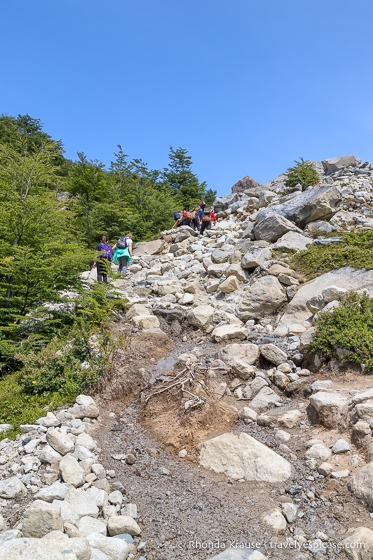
<point x="19" y="408"/>
<point x="356" y="250"/>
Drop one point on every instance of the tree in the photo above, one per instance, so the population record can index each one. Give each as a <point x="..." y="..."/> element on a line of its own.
<point x="185" y="186"/>
<point x="39" y="255"/>
<point x="88" y="185"/>
<point x="302" y="173"/>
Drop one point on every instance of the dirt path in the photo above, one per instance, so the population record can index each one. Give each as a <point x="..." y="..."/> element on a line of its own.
<point x="188" y="512"/>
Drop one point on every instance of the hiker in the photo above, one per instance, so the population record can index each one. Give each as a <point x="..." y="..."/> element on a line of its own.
<point x="208" y="217"/>
<point x="103" y="261"/>
<point x="123" y="252"/>
<point x="201" y="211"/>
<point x="177" y="218"/>
<point x="196" y="222"/>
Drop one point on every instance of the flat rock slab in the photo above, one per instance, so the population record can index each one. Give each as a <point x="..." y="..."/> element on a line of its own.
<point x="241" y="456"/>
<point x="347" y="277"/>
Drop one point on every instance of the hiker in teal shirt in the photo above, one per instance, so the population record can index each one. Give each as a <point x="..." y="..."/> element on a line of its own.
<point x="123" y="253"/>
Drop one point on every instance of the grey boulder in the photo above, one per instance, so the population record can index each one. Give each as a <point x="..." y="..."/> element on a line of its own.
<point x="333" y="165"/>
<point x="273" y="227"/>
<point x="313" y="204"/>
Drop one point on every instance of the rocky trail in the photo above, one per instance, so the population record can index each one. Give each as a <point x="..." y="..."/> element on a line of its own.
<point x="218" y="435"/>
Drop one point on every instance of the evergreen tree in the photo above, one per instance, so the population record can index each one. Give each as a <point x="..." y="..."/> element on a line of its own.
<point x="303" y="173"/>
<point x="185" y="186"/>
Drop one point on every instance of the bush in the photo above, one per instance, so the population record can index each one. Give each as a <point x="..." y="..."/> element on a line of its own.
<point x="355" y="249"/>
<point x="304" y="173"/>
<point x="350" y="328"/>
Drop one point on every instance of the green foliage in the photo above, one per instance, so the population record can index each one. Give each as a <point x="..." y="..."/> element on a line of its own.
<point x="350" y="328"/>
<point x="185" y="186"/>
<point x="302" y="172"/>
<point x="17" y="407"/>
<point x="355" y="249"/>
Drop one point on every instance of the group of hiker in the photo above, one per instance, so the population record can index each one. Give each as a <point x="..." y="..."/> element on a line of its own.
<point x="120" y="254"/>
<point x="198" y="219"/>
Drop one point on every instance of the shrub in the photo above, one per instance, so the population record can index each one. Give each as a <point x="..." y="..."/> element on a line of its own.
<point x="350" y="328"/>
<point x="302" y="172"/>
<point x="355" y="249"/>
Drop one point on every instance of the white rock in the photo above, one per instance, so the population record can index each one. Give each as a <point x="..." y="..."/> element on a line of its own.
<point x="84" y="400"/>
<point x="35" y="549"/>
<point x="263" y="399"/>
<point x="318" y="451"/>
<point x="83" y="504"/>
<point x="282" y="436"/>
<point x="273" y="354"/>
<point x="116" y="498"/>
<point x="56" y="491"/>
<point x="88" y="525"/>
<point x="47" y="454"/>
<point x="120" y="524"/>
<point x="71" y="471"/>
<point x="359" y="544"/>
<point x="228" y="332"/>
<point x="332" y="293"/>
<point x="325" y="469"/>
<point x="329" y="407"/>
<point x="290" y="511"/>
<point x="340" y="446"/>
<point x="112" y="549"/>
<point x="275" y="521"/>
<point x="231" y="284"/>
<point x="99" y="496"/>
<point x="68" y="512"/>
<point x="41" y="518"/>
<point x="11" y="488"/>
<point x="201" y="316"/>
<point x="60" y="442"/>
<point x="48" y="421"/>
<point x="241" y="456"/>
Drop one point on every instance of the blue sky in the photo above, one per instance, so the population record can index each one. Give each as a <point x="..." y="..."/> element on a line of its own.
<point x="246" y="86"/>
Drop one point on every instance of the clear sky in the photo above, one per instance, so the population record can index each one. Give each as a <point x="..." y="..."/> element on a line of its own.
<point x="246" y="86"/>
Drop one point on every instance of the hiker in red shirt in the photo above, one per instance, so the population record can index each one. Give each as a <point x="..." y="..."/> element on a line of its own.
<point x="208" y="217"/>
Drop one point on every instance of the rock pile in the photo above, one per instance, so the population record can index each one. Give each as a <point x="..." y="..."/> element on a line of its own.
<point x="66" y="503"/>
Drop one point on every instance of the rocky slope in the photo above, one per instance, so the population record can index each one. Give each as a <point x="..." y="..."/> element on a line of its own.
<point x="237" y="396"/>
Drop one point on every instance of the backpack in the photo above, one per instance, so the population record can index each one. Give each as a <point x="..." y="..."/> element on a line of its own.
<point x="106" y="251"/>
<point x="206" y="218"/>
<point x="122" y="242"/>
<point x="190" y="215"/>
<point x="177" y="216"/>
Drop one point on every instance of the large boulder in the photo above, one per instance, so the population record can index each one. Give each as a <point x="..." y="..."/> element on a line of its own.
<point x="273" y="354"/>
<point x="359" y="545"/>
<point x="333" y="165"/>
<point x="313" y="204"/>
<point x="36" y="549"/>
<point x="201" y="316"/>
<point x="11" y="488"/>
<point x="293" y="241"/>
<point x="227" y="332"/>
<point x="222" y="203"/>
<point x="348" y="278"/>
<point x="257" y="256"/>
<point x="149" y="247"/>
<point x="240" y="456"/>
<point x="71" y="471"/>
<point x="107" y="548"/>
<point x="41" y="518"/>
<point x="263" y="297"/>
<point x="328" y="408"/>
<point x="272" y="228"/>
<point x="245" y="184"/>
<point x="361" y="484"/>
